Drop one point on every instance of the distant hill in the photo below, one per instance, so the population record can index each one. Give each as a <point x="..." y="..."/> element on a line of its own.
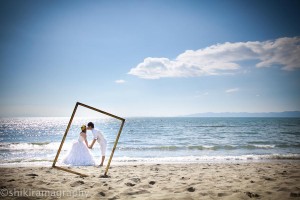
<point x="246" y="114"/>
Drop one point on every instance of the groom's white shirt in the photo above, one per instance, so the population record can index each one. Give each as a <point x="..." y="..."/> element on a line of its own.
<point x="98" y="136"/>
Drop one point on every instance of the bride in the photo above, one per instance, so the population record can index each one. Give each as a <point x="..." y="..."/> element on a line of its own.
<point x="80" y="155"/>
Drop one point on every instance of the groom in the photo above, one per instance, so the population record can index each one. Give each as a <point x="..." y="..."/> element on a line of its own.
<point x="100" y="138"/>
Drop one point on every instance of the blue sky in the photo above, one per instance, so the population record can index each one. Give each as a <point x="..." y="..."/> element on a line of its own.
<point x="149" y="58"/>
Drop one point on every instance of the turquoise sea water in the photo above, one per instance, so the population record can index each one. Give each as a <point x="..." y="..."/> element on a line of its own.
<point x="36" y="140"/>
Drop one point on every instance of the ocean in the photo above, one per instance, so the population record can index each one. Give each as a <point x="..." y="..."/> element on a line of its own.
<point x="35" y="141"/>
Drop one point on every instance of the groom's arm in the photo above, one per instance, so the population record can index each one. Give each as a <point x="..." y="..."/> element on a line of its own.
<point x="92" y="144"/>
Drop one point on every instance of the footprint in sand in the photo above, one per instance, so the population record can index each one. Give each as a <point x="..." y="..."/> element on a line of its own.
<point x="136" y="180"/>
<point x="285" y="189"/>
<point x="102" y="194"/>
<point x="114" y="198"/>
<point x="268" y="178"/>
<point x="191" y="189"/>
<point x="295" y="194"/>
<point x="152" y="182"/>
<point x="251" y="195"/>
<point x="130" y="184"/>
<point x="138" y="192"/>
<point x="76" y="183"/>
<point x="221" y="194"/>
<point x="33" y="175"/>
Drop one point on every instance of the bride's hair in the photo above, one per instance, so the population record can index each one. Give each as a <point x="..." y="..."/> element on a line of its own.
<point x="83" y="128"/>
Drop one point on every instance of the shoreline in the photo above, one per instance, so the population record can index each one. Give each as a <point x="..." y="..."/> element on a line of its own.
<point x="153" y="161"/>
<point x="238" y="180"/>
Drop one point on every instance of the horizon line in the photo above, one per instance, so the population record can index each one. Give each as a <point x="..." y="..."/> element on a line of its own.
<point x="165" y="116"/>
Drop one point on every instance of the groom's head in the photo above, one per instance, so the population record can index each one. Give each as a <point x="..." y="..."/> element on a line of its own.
<point x="90" y="126"/>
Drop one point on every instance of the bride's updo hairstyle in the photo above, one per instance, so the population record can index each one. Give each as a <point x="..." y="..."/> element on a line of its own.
<point x="83" y="128"/>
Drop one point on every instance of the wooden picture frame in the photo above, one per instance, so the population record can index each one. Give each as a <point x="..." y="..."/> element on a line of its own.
<point x="67" y="130"/>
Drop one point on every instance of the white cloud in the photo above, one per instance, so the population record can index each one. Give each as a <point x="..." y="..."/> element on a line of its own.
<point x="232" y="90"/>
<point x="221" y="59"/>
<point x="120" y="81"/>
<point x="198" y="94"/>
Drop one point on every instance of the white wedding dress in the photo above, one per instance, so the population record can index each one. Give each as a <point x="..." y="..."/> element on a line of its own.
<point x="79" y="154"/>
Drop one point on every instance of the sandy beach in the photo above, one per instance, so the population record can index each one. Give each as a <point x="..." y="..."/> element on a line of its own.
<point x="254" y="180"/>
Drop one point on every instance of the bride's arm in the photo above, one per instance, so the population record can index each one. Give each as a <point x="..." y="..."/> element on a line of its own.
<point x="93" y="142"/>
<point x="85" y="140"/>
